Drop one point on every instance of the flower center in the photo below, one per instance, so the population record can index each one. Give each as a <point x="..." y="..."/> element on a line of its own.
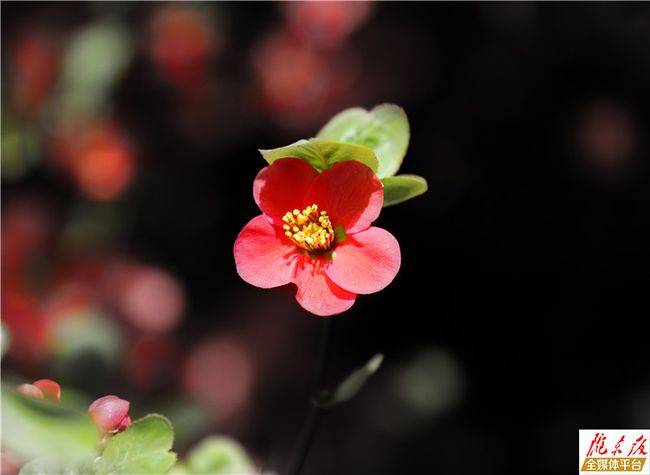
<point x="309" y="229"/>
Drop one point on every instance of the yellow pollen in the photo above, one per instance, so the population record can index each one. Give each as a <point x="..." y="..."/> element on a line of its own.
<point x="309" y="229"/>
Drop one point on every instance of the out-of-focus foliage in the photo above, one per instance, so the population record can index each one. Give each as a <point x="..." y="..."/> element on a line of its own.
<point x="34" y="428"/>
<point x="46" y="466"/>
<point x="431" y="383"/>
<point x="218" y="456"/>
<point x="86" y="332"/>
<point x="20" y="147"/>
<point x="95" y="59"/>
<point x="189" y="419"/>
<point x="353" y="383"/>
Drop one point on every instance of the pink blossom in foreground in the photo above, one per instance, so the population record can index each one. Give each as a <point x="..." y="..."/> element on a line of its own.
<point x="315" y="232"/>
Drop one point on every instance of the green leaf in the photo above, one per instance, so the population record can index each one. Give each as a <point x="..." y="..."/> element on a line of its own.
<point x="45" y="466"/>
<point x="402" y="187"/>
<point x="219" y="456"/>
<point x="179" y="469"/>
<point x="353" y="383"/>
<point x="35" y="428"/>
<point x="384" y="129"/>
<point x="322" y="154"/>
<point x="144" y="448"/>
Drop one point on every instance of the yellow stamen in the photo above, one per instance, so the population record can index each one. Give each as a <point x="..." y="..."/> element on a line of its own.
<point x="309" y="229"/>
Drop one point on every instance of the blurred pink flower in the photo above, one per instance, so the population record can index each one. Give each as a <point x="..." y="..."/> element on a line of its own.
<point x="151" y="299"/>
<point x="219" y="374"/>
<point x="326" y="23"/>
<point x="298" y="85"/>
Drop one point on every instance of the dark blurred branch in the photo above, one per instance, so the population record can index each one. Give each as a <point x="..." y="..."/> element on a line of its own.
<point x="316" y="411"/>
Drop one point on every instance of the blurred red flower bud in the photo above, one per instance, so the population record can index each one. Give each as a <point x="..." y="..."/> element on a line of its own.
<point x="30" y="390"/>
<point x="42" y="389"/>
<point x="181" y="42"/>
<point x="50" y="389"/>
<point x="110" y="413"/>
<point x="21" y="314"/>
<point x="9" y="463"/>
<point x="35" y="64"/>
<point x="100" y="156"/>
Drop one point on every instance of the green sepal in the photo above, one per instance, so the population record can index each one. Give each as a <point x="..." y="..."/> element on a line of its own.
<point x="323" y="154"/>
<point x="400" y="188"/>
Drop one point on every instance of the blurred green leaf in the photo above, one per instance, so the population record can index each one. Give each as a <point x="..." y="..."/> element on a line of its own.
<point x="219" y="456"/>
<point x="5" y="339"/>
<point x="46" y="466"/>
<point x="34" y="428"/>
<point x="20" y="146"/>
<point x="96" y="57"/>
<point x="384" y="129"/>
<point x="189" y="419"/>
<point x="144" y="448"/>
<point x="87" y="330"/>
<point x="322" y="154"/>
<point x="353" y="383"/>
<point x="179" y="469"/>
<point x="92" y="225"/>
<point x="402" y="187"/>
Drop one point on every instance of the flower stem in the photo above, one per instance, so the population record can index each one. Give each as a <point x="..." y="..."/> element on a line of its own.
<point x="316" y="412"/>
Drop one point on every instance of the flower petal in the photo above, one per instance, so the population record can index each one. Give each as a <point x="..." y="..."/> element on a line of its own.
<point x="282" y="187"/>
<point x="366" y="262"/>
<point x="351" y="194"/>
<point x="263" y="256"/>
<point x="316" y="292"/>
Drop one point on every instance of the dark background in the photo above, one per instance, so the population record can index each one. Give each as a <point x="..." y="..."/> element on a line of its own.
<point x="523" y="292"/>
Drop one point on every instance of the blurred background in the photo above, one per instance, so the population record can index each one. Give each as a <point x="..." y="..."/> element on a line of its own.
<point x="129" y="147"/>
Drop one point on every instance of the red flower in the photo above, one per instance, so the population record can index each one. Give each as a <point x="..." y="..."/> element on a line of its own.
<point x="110" y="413"/>
<point x="329" y="250"/>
